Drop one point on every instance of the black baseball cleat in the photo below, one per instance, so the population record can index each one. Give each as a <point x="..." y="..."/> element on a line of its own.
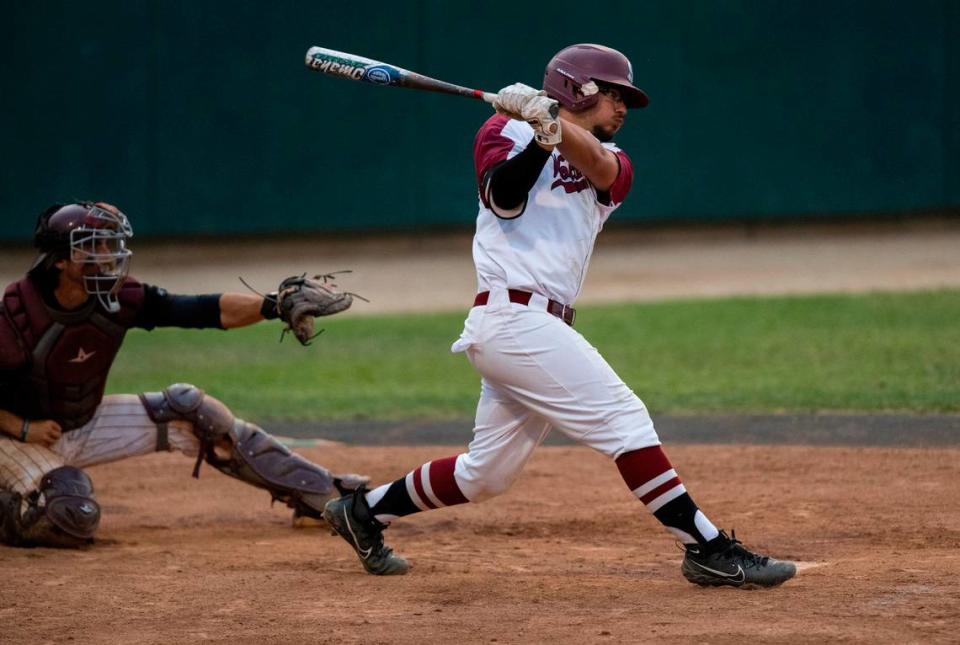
<point x="350" y="518"/>
<point x="308" y="508"/>
<point x="725" y="562"/>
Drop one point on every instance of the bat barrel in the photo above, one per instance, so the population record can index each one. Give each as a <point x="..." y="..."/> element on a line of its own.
<point x="366" y="70"/>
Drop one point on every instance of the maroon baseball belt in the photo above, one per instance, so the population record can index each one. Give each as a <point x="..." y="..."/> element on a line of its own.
<point x="566" y="313"/>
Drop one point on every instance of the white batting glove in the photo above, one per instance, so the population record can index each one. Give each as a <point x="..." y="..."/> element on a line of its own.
<point x="540" y="113"/>
<point x="511" y="100"/>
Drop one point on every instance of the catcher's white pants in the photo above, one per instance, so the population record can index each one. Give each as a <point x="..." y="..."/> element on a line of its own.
<point x="539" y="373"/>
<point x="119" y="429"/>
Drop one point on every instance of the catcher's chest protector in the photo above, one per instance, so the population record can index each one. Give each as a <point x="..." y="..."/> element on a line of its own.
<point x="69" y="353"/>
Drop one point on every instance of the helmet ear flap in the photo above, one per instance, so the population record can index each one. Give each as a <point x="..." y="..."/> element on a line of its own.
<point x="573" y="95"/>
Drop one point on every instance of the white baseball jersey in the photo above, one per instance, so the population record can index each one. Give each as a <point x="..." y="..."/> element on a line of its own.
<point x="547" y="248"/>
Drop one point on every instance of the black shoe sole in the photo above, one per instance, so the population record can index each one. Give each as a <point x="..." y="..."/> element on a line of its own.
<point x="706" y="580"/>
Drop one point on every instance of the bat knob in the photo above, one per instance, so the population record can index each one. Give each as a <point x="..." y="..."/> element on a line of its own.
<point x="555" y="109"/>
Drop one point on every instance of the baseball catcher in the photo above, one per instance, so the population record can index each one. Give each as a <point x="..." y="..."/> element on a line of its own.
<point x="61" y="327"/>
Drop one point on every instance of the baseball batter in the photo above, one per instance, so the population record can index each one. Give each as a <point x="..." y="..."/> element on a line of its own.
<point x="546" y="186"/>
<point x="60" y="329"/>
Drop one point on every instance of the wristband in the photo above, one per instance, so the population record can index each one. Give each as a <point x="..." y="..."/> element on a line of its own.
<point x="269" y="307"/>
<point x="24" y="429"/>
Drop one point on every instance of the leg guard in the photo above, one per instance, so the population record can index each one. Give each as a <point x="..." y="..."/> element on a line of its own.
<point x="254" y="457"/>
<point x="61" y="513"/>
<point x="211" y="419"/>
<point x="260" y="460"/>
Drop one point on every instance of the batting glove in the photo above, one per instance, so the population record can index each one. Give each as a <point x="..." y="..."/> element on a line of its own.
<point x="540" y="112"/>
<point x="511" y="100"/>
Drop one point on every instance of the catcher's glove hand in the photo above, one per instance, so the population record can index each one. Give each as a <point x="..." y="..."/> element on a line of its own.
<point x="300" y="299"/>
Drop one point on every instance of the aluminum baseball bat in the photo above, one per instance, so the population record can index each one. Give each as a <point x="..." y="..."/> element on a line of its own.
<point x="365" y="70"/>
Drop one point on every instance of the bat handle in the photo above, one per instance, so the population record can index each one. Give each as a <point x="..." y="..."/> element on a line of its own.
<point x="489" y="97"/>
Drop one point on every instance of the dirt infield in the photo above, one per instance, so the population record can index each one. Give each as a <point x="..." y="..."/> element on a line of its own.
<point x="566" y="556"/>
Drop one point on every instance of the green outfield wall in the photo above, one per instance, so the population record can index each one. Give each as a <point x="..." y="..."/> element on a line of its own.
<point x="200" y="117"/>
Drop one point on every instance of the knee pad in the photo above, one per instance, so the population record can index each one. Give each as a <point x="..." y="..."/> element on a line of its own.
<point x="211" y="419"/>
<point x="62" y="512"/>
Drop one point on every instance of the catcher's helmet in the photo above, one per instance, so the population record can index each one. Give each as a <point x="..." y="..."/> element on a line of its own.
<point x="572" y="75"/>
<point x="93" y="234"/>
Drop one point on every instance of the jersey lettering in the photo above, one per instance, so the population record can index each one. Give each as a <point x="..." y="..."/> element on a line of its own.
<point x="565" y="175"/>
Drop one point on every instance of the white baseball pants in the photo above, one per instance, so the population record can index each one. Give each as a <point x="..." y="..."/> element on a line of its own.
<point x="119" y="429"/>
<point x="539" y="373"/>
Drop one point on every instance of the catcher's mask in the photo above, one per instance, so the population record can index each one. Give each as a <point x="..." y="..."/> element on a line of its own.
<point x="93" y="235"/>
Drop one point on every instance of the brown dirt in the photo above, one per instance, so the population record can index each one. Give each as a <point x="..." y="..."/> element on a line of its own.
<point x="567" y="556"/>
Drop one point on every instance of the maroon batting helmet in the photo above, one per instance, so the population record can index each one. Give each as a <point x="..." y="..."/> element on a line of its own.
<point x="578" y="65"/>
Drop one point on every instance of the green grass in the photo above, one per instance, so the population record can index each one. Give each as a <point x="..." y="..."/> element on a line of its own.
<point x="871" y="353"/>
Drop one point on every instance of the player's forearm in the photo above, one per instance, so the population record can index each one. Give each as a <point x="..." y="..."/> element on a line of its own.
<point x="240" y="309"/>
<point x="511" y="181"/>
<point x="585" y="153"/>
<point x="11" y="424"/>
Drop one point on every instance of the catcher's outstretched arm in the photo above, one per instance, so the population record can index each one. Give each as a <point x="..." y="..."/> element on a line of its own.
<point x="297" y="301"/>
<point x="242" y="309"/>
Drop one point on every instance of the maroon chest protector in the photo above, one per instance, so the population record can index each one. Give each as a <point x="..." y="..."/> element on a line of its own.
<point x="69" y="353"/>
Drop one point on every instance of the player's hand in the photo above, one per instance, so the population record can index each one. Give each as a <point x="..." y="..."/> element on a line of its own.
<point x="541" y="113"/>
<point x="511" y="100"/>
<point x="45" y="432"/>
<point x="524" y="103"/>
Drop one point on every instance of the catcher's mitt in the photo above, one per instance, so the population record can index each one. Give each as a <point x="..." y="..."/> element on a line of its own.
<point x="300" y="299"/>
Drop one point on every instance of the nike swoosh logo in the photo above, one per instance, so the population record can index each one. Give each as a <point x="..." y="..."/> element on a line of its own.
<point x="364" y="553"/>
<point x="738" y="576"/>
